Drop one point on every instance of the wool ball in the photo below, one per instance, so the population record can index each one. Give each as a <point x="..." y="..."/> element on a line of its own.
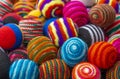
<point x="86" y="70"/>
<point x="4" y="65"/>
<point x="102" y="15"/>
<point x="54" y="69"/>
<point x="41" y="49"/>
<point x="11" y="36"/>
<point x="31" y="28"/>
<point x="102" y="54"/>
<point x="51" y="8"/>
<point x="114" y="27"/>
<point x="73" y="51"/>
<point x="24" y="69"/>
<point x="90" y="34"/>
<point x="113" y="73"/>
<point x="11" y="18"/>
<point x="113" y="38"/>
<point x="62" y="29"/>
<point x="77" y="12"/>
<point x="16" y="54"/>
<point x="5" y="7"/>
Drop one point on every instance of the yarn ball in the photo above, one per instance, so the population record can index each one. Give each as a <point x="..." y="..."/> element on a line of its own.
<point x="102" y="54"/>
<point x="4" y="65"/>
<point x="11" y="18"/>
<point x="77" y="12"/>
<point x="10" y="36"/>
<point x="54" y="69"/>
<point x="114" y="27"/>
<point x="1" y="22"/>
<point x="113" y="73"/>
<point x="31" y="1"/>
<point x="51" y="8"/>
<point x="73" y="51"/>
<point x="41" y="49"/>
<point x="102" y="15"/>
<point x="46" y="24"/>
<point x="90" y="34"/>
<point x="86" y="70"/>
<point x="16" y="54"/>
<point x="23" y="8"/>
<point x="113" y="3"/>
<point x="5" y="7"/>
<point x="31" y="28"/>
<point x="62" y="29"/>
<point x="113" y="38"/>
<point x="24" y="69"/>
<point x="87" y="3"/>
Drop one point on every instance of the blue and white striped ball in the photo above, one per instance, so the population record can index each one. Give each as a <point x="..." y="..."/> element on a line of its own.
<point x="73" y="51"/>
<point x="24" y="69"/>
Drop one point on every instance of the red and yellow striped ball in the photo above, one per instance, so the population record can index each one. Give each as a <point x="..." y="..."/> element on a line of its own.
<point x="41" y="49"/>
<point x="102" y="54"/>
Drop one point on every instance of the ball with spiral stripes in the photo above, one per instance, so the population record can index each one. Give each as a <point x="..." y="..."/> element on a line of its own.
<point x="77" y="12"/>
<point x="24" y="69"/>
<point x="90" y="34"/>
<point x="102" y="54"/>
<point x="62" y="29"/>
<point x="86" y="70"/>
<point x="102" y="15"/>
<point x="41" y="49"/>
<point x="73" y="51"/>
<point x="54" y="69"/>
<point x="113" y="38"/>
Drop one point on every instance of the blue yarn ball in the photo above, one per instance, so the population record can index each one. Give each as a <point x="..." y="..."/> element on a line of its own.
<point x="74" y="51"/>
<point x="24" y="69"/>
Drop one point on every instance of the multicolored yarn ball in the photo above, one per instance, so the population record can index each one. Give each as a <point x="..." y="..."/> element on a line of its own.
<point x="62" y="29"/>
<point x="113" y="3"/>
<point x="4" y="65"/>
<point x="90" y="34"/>
<point x="102" y="54"/>
<point x="5" y="7"/>
<point x="11" y="36"/>
<point x="11" y="18"/>
<point x="41" y="49"/>
<point x="23" y="8"/>
<point x="102" y="15"/>
<point x="54" y="69"/>
<point x="31" y="1"/>
<point x="18" y="54"/>
<point x="73" y="51"/>
<point x="86" y="70"/>
<point x="51" y="8"/>
<point x="77" y="12"/>
<point x="46" y="24"/>
<point x="24" y="69"/>
<point x="114" y="27"/>
<point x="114" y="72"/>
<point x="31" y="28"/>
<point x="113" y="38"/>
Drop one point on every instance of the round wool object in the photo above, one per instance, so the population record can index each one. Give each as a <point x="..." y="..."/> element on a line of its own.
<point x="113" y="38"/>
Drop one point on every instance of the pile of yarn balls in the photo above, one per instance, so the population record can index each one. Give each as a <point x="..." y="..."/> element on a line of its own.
<point x="59" y="39"/>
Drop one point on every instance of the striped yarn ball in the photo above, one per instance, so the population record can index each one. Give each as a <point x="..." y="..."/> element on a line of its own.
<point x="114" y="28"/>
<point x="31" y="28"/>
<point x="5" y="7"/>
<point x="51" y="8"/>
<point x="86" y="70"/>
<point x="113" y="38"/>
<point x="114" y="72"/>
<point x="102" y="15"/>
<point x="91" y="34"/>
<point x="113" y="3"/>
<point x="73" y="51"/>
<point x="24" y="69"/>
<point x="41" y="49"/>
<point x="62" y="29"/>
<point x="102" y="54"/>
<point x="54" y="69"/>
<point x="77" y="12"/>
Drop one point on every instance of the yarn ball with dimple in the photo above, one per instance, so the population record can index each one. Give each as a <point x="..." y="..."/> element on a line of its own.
<point x="41" y="49"/>
<point x="102" y="54"/>
<point x="77" y="12"/>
